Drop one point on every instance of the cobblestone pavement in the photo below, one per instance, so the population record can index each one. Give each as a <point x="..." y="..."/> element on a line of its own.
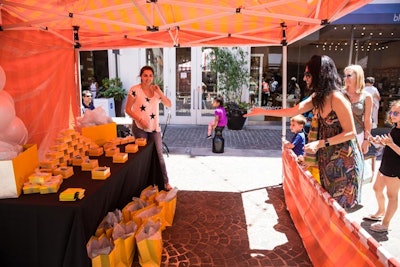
<point x="231" y="209"/>
<point x="252" y="137"/>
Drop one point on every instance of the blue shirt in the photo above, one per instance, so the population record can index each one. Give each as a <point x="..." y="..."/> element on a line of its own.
<point x="299" y="140"/>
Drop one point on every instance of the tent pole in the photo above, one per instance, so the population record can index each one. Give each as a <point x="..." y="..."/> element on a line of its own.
<point x="284" y="76"/>
<point x="284" y="87"/>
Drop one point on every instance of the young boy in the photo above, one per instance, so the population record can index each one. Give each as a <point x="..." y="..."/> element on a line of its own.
<point x="299" y="139"/>
<point x="220" y="119"/>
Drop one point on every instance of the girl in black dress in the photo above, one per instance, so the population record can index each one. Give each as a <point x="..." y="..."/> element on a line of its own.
<point x="389" y="172"/>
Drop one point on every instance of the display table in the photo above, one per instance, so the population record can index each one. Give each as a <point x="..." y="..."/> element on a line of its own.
<point x="39" y="230"/>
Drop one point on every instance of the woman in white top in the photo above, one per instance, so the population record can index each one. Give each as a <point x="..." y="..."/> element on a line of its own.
<point x="143" y="107"/>
<point x="361" y="104"/>
<point x="376" y="97"/>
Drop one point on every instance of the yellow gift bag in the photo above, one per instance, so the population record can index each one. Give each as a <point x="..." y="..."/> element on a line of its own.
<point x="124" y="243"/>
<point x="149" y="193"/>
<point x="101" y="251"/>
<point x="106" y="225"/>
<point x="167" y="200"/>
<point x="149" y="243"/>
<point x="152" y="211"/>
<point x="134" y="205"/>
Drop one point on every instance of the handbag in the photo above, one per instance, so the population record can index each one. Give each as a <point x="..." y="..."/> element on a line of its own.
<point x="310" y="159"/>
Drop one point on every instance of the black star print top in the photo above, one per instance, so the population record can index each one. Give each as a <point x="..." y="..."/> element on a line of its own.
<point x="146" y="107"/>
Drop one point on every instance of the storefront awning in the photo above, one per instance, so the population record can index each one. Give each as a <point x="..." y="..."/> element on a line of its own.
<point x="373" y="14"/>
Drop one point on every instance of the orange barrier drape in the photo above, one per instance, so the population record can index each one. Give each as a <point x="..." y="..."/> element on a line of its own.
<point x="40" y="76"/>
<point x="329" y="236"/>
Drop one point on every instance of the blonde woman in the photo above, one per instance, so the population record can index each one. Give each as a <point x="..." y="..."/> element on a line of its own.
<point x="361" y="104"/>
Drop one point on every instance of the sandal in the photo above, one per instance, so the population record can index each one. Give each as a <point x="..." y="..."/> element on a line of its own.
<point x="379" y="228"/>
<point x="373" y="218"/>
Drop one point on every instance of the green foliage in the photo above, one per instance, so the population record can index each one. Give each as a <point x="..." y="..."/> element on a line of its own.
<point x="231" y="66"/>
<point x="112" y="88"/>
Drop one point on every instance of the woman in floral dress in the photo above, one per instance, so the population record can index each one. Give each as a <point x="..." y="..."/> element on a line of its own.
<point x="339" y="158"/>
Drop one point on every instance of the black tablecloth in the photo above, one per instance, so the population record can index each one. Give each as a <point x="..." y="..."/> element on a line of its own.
<point x="40" y="230"/>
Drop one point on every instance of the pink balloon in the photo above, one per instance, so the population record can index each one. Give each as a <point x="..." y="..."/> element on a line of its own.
<point x="2" y="78"/>
<point x="7" y="111"/>
<point x="5" y="94"/>
<point x="16" y="133"/>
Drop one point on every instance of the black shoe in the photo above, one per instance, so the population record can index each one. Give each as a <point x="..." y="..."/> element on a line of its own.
<point x="209" y="137"/>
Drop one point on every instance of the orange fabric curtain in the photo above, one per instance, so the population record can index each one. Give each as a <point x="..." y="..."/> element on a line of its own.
<point x="329" y="237"/>
<point x="40" y="76"/>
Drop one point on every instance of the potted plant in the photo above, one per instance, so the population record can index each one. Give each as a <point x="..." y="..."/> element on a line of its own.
<point x="230" y="64"/>
<point x="112" y="88"/>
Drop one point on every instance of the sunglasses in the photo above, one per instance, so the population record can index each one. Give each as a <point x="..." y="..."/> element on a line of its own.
<point x="307" y="74"/>
<point x="88" y="95"/>
<point x="394" y="113"/>
<point x="348" y="76"/>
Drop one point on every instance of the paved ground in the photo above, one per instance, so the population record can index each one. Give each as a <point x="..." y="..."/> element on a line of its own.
<point x="231" y="209"/>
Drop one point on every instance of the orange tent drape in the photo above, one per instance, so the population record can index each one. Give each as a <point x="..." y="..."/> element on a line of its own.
<point x="329" y="237"/>
<point x="40" y="72"/>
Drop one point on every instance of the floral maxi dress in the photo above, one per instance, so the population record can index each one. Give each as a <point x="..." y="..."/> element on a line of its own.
<point x="340" y="165"/>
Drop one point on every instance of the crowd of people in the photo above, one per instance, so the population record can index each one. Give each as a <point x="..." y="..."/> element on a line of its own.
<point x="343" y="117"/>
<point x="343" y="111"/>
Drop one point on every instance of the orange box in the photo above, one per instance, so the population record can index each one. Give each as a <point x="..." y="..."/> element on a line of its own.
<point x="89" y="164"/>
<point x="101" y="173"/>
<point x="131" y="148"/>
<point x="141" y="141"/>
<point x="15" y="172"/>
<point x="120" y="157"/>
<point x="100" y="134"/>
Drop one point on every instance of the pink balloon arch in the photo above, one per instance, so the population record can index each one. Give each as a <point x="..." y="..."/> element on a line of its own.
<point x="12" y="128"/>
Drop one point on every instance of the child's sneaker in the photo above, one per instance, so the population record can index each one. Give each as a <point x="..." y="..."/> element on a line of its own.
<point x="209" y="137"/>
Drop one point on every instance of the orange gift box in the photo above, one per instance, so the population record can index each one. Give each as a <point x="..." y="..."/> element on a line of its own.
<point x="120" y="157"/>
<point x="141" y="141"/>
<point x="101" y="173"/>
<point x="100" y="134"/>
<point x="131" y="148"/>
<point x="89" y="164"/>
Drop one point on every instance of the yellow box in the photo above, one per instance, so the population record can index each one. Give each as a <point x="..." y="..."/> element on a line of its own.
<point x="100" y="134"/>
<point x="120" y="157"/>
<point x="96" y="151"/>
<point x="49" y="163"/>
<point x="78" y="160"/>
<point x="90" y="164"/>
<point x="30" y="188"/>
<point x="39" y="177"/>
<point x="128" y="139"/>
<point x="110" y="144"/>
<point x="101" y="173"/>
<point x="15" y="172"/>
<point x="52" y="185"/>
<point x="141" y="141"/>
<point x="65" y="172"/>
<point x="131" y="148"/>
<point x="111" y="151"/>
<point x="59" y="147"/>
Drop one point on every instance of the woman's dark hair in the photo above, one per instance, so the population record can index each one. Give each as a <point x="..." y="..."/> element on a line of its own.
<point x="325" y="78"/>
<point x="220" y="100"/>
<point x="146" y="68"/>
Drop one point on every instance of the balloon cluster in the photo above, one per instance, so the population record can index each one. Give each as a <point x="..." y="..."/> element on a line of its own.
<point x="12" y="129"/>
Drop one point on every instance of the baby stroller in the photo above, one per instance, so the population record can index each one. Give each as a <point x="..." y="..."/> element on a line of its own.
<point x="164" y="145"/>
